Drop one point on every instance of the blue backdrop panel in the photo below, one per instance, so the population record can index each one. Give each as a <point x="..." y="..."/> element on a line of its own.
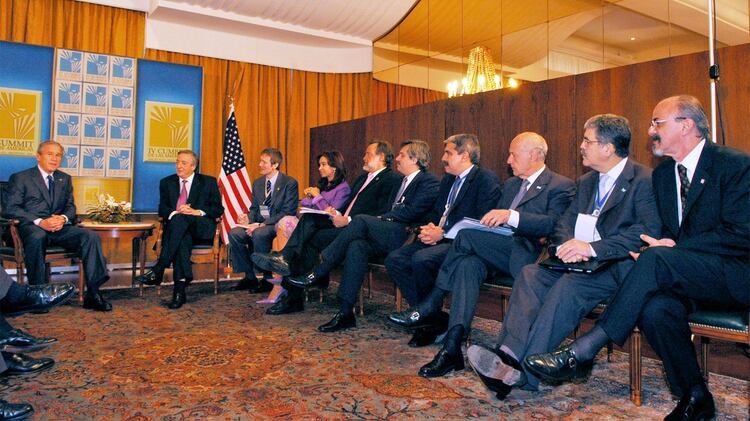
<point x="24" y="66"/>
<point x="163" y="82"/>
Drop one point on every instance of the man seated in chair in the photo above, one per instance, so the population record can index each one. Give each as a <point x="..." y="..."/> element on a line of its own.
<point x="703" y="195"/>
<point x="189" y="204"/>
<point x="275" y="195"/>
<point x="41" y="198"/>
<point x="466" y="191"/>
<point x="613" y="205"/>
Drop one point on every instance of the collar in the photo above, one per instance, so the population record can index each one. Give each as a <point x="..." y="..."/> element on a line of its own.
<point x="691" y="160"/>
<point x="274" y="178"/>
<point x="45" y="173"/>
<point x="466" y="172"/>
<point x="410" y="177"/>
<point x="532" y="178"/>
<point x="615" y="171"/>
<point x="375" y="173"/>
<point x="189" y="179"/>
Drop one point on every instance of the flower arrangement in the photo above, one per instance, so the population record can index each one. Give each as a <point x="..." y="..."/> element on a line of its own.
<point x="109" y="211"/>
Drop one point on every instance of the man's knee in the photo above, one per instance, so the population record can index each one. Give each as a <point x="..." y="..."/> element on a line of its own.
<point x="237" y="235"/>
<point x="659" y="311"/>
<point x="35" y="236"/>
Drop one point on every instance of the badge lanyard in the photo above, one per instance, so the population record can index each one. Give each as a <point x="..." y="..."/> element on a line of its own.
<point x="599" y="203"/>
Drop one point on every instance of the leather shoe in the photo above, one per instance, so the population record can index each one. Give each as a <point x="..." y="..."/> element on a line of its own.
<point x="497" y="370"/>
<point x="306" y="281"/>
<point x="15" y="411"/>
<point x="40" y="297"/>
<point x="178" y="300"/>
<point x="245" y="284"/>
<point x="96" y="302"/>
<point x="151" y="277"/>
<point x="442" y="364"/>
<point x="23" y="364"/>
<point x="16" y="340"/>
<point x="262" y="287"/>
<point x="558" y="366"/>
<point x="412" y="318"/>
<point x="287" y="305"/>
<point x="695" y="405"/>
<point x="340" y="321"/>
<point x="272" y="262"/>
<point x="423" y="337"/>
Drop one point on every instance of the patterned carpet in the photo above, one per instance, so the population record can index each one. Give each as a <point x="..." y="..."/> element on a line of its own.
<point x="220" y="357"/>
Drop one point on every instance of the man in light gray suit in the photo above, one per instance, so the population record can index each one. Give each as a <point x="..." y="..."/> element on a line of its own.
<point x="275" y="195"/>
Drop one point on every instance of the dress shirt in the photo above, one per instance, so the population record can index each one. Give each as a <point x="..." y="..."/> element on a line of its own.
<point x="45" y="174"/>
<point x="188" y="186"/>
<point x="690" y="162"/>
<point x="609" y="184"/>
<point x="514" y="217"/>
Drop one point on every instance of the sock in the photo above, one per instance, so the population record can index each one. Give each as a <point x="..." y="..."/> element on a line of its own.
<point x="15" y="293"/>
<point x="346" y="308"/>
<point x="453" y="338"/>
<point x="587" y="346"/>
<point x="432" y="303"/>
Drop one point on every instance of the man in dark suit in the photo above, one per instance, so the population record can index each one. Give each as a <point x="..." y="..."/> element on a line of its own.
<point x="368" y="236"/>
<point x="531" y="203"/>
<point x="315" y="232"/>
<point x="41" y="198"/>
<point x="466" y="191"/>
<point x="613" y="205"/>
<point x="275" y="195"/>
<point x="189" y="202"/>
<point x="703" y="195"/>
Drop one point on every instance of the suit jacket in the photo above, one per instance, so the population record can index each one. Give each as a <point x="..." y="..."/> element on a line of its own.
<point x="539" y="210"/>
<point x="415" y="202"/>
<point x="717" y="209"/>
<point x="629" y="212"/>
<point x="204" y="195"/>
<point x="479" y="193"/>
<point x="371" y="200"/>
<point x="284" y="199"/>
<point x="28" y="197"/>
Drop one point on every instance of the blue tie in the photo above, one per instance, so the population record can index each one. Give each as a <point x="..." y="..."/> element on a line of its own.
<point x="51" y="187"/>
<point x="453" y="193"/>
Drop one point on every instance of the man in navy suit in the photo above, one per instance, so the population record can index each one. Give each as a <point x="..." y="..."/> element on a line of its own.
<point x="613" y="205"/>
<point x="466" y="191"/>
<point x="315" y="232"/>
<point x="41" y="198"/>
<point x="367" y="235"/>
<point x="703" y="259"/>
<point x="275" y="195"/>
<point x="189" y="202"/>
<point x="531" y="203"/>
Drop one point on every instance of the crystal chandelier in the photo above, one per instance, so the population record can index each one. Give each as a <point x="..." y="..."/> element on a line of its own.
<point x="480" y="76"/>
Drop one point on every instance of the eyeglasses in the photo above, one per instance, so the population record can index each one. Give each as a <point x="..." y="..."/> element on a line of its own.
<point x="655" y="123"/>
<point x="588" y="142"/>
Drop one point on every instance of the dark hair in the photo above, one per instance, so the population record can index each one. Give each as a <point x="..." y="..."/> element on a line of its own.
<point x="385" y="149"/>
<point x="691" y="108"/>
<point x="335" y="160"/>
<point x="468" y="143"/>
<point x="192" y="154"/>
<point x="419" y="150"/>
<point x="49" y="142"/>
<point x="611" y="128"/>
<point x="275" y="155"/>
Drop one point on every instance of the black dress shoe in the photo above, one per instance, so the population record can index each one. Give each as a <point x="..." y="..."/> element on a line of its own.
<point x="498" y="371"/>
<point x="178" y="300"/>
<point x="423" y="337"/>
<point x="150" y="278"/>
<point x="245" y="284"/>
<point x="15" y="411"/>
<point x="442" y="364"/>
<point x="16" y="340"/>
<point x="40" y="297"/>
<point x="23" y="364"/>
<point x="305" y="281"/>
<point x="558" y="366"/>
<point x="272" y="262"/>
<point x="340" y="321"/>
<point x="262" y="287"/>
<point x="287" y="305"/>
<point x="96" y="302"/>
<point x="694" y="407"/>
<point x="412" y="318"/>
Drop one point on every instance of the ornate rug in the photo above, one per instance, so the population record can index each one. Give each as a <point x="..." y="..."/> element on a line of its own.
<point x="220" y="357"/>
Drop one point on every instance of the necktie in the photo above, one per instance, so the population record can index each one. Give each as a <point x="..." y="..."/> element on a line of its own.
<point x="400" y="192"/>
<point x="684" y="186"/>
<point x="183" y="195"/>
<point x="51" y="187"/>
<point x="351" y="204"/>
<point x="453" y="193"/>
<point x="519" y="196"/>
<point x="267" y="200"/>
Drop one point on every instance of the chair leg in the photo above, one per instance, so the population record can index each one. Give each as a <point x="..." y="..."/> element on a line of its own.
<point x="361" y="301"/>
<point x="369" y="284"/>
<point x="610" y="350"/>
<point x="217" y="267"/>
<point x="81" y="281"/>
<point x="705" y="342"/>
<point x="635" y="367"/>
<point x="399" y="298"/>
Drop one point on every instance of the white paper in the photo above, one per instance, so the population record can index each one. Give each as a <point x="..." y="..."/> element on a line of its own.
<point x="586" y="228"/>
<point x="471" y="223"/>
<point x="304" y="210"/>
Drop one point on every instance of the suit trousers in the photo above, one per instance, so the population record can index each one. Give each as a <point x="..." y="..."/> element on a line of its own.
<point x="36" y="240"/>
<point x="307" y="228"/>
<point x="180" y="234"/>
<point x="546" y="306"/>
<point x="658" y="294"/>
<point x="243" y="245"/>
<point x="309" y="256"/>
<point x="474" y="255"/>
<point x="414" y="267"/>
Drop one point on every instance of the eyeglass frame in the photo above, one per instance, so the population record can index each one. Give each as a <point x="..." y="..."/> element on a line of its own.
<point x="656" y="122"/>
<point x="589" y="142"/>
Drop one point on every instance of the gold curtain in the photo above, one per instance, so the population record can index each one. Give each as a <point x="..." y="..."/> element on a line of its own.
<point x="274" y="106"/>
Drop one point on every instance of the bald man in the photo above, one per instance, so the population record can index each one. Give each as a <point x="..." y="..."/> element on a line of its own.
<point x="532" y="201"/>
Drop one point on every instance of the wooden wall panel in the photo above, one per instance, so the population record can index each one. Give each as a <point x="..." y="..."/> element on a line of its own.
<point x="347" y="137"/>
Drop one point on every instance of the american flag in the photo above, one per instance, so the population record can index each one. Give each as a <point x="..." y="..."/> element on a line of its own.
<point x="234" y="183"/>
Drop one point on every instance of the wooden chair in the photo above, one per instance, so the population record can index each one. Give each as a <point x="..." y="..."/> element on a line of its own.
<point x="203" y="251"/>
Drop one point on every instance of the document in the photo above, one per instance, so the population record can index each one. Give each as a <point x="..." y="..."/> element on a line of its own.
<point x="303" y="210"/>
<point x="471" y="223"/>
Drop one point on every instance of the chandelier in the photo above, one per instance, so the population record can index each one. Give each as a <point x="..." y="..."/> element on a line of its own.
<point x="480" y="76"/>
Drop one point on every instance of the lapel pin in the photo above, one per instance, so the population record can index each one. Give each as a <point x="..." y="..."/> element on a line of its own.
<point x="538" y="187"/>
<point x="703" y="181"/>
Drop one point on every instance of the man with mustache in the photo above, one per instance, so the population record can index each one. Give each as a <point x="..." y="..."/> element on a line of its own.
<point x="703" y="259"/>
<point x="613" y="205"/>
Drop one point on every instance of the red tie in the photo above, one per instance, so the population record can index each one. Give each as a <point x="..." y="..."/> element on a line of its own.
<point x="183" y="195"/>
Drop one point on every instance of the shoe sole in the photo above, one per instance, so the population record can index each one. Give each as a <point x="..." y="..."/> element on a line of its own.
<point x="25" y="373"/>
<point x="24" y="349"/>
<point x="265" y="264"/>
<point x="64" y="300"/>
<point x="441" y="374"/>
<point x="490" y="365"/>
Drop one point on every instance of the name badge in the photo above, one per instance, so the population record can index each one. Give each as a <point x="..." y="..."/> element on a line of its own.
<point x="586" y="228"/>
<point x="265" y="211"/>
